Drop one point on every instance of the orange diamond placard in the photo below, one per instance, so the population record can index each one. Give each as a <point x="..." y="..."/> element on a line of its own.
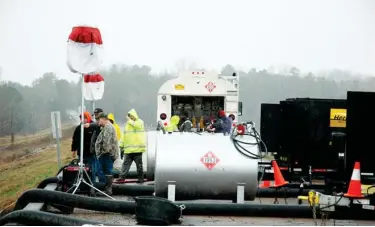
<point x="210" y="86"/>
<point x="209" y="160"/>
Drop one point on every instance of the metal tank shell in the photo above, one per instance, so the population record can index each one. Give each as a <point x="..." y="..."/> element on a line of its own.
<point x="151" y="154"/>
<point x="181" y="157"/>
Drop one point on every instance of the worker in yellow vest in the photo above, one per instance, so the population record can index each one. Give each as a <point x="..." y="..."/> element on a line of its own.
<point x="173" y="124"/>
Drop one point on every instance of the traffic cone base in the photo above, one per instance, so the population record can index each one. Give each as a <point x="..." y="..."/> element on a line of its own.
<point x="355" y="190"/>
<point x="278" y="177"/>
<point x="353" y="196"/>
<point x="265" y="184"/>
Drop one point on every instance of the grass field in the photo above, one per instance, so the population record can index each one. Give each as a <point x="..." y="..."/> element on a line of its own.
<point x="28" y="144"/>
<point x="32" y="159"/>
<point x="26" y="173"/>
<point x="22" y="137"/>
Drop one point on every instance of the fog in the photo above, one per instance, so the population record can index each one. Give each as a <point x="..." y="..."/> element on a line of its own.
<point x="311" y="35"/>
<point x="281" y="49"/>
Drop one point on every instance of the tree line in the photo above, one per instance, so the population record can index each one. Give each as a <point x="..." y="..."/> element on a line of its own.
<point x="27" y="109"/>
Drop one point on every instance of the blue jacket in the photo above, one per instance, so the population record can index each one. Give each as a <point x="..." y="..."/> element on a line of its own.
<point x="223" y="125"/>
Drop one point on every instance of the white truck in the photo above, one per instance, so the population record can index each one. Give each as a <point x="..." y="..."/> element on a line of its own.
<point x="199" y="95"/>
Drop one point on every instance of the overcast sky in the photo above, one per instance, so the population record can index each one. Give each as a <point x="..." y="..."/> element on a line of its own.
<point x="312" y="35"/>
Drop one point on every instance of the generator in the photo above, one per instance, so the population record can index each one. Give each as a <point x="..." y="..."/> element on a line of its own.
<point x="306" y="136"/>
<point x="69" y="177"/>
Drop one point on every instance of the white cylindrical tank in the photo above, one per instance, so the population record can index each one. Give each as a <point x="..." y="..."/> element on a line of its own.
<point x="151" y="152"/>
<point x="205" y="166"/>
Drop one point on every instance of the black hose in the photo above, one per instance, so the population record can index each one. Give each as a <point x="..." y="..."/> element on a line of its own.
<point x="311" y="187"/>
<point x="61" y="169"/>
<point x="192" y="208"/>
<point x="268" y="210"/>
<point x="39" y="218"/>
<point x="50" y="180"/>
<point x="76" y="201"/>
<point x="128" y="189"/>
<point x="138" y="190"/>
<point x="65" y="199"/>
<point x="282" y="193"/>
<point x="130" y="175"/>
<point x="247" y="209"/>
<point x="252" y="133"/>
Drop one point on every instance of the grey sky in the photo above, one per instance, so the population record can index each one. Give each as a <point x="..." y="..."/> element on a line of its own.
<point x="312" y="35"/>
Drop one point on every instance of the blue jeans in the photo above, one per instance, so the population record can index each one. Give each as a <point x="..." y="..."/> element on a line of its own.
<point x="92" y="162"/>
<point x="100" y="173"/>
<point x="106" y="164"/>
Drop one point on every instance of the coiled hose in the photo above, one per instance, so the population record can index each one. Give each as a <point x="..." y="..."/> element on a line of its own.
<point x="259" y="142"/>
<point x="251" y="133"/>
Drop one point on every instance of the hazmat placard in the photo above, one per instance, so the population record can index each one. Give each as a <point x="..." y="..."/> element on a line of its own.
<point x="210" y="160"/>
<point x="210" y="86"/>
<point x="337" y="118"/>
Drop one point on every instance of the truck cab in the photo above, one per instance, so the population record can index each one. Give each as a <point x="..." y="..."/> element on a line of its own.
<point x="199" y="95"/>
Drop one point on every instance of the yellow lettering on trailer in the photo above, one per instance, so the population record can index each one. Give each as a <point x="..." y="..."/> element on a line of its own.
<point x="337" y="118"/>
<point x="179" y="87"/>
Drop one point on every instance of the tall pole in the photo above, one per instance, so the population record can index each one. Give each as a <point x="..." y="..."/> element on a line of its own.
<point x="11" y="124"/>
<point x="82" y="120"/>
<point x="57" y="140"/>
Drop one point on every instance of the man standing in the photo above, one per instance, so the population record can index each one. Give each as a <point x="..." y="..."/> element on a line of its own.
<point x="96" y="130"/>
<point x="133" y="144"/>
<point x="111" y="118"/>
<point x="96" y="127"/>
<point x="106" y="148"/>
<point x="88" y="156"/>
<point x="223" y="124"/>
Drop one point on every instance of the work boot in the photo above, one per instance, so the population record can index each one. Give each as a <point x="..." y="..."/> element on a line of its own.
<point x="140" y="174"/>
<point x="108" y="186"/>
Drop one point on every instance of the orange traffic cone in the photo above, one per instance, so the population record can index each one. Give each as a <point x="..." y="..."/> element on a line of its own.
<point x="265" y="184"/>
<point x="278" y="177"/>
<point x="354" y="190"/>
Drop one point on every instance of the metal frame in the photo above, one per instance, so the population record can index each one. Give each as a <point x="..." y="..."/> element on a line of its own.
<point x="81" y="171"/>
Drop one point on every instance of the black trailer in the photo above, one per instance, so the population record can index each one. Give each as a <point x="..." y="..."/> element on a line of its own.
<point x="307" y="136"/>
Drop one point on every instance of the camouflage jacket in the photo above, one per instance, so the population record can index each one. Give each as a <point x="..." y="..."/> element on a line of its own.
<point x="107" y="142"/>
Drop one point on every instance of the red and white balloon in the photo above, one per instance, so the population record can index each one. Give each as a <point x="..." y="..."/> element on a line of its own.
<point x="93" y="87"/>
<point x="84" y="52"/>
